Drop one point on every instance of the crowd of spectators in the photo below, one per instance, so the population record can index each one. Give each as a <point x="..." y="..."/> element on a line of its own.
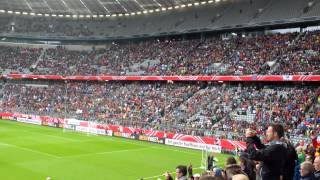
<point x="277" y="159"/>
<point x="17" y="58"/>
<point x="190" y="108"/>
<point x="128" y="103"/>
<point x="233" y="108"/>
<point x="283" y="54"/>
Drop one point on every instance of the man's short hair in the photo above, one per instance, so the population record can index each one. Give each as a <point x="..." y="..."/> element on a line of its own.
<point x="278" y="128"/>
<point x="206" y="177"/>
<point x="231" y="160"/>
<point x="308" y="166"/>
<point x="240" y="177"/>
<point x="182" y="169"/>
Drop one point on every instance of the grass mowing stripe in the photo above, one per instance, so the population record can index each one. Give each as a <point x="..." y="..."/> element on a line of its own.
<point x="106" y="152"/>
<point x="28" y="149"/>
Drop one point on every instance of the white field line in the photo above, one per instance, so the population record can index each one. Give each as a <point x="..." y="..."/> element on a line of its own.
<point x="28" y="149"/>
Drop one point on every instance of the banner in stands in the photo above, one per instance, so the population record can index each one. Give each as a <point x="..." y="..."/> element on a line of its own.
<point x="126" y="135"/>
<point x="91" y="130"/>
<point x="170" y="78"/>
<point x="193" y="145"/>
<point x="109" y="133"/>
<point x="52" y="122"/>
<point x="151" y="139"/>
<point x="29" y="119"/>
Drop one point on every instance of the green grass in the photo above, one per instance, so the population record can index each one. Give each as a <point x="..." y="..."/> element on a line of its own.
<point x="35" y="152"/>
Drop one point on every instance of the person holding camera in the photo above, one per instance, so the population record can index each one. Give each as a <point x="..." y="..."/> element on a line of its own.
<point x="272" y="156"/>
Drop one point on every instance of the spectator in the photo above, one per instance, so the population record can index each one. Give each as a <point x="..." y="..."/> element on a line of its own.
<point x="232" y="168"/>
<point x="273" y="156"/>
<point x="196" y="176"/>
<point x="240" y="177"/>
<point x="181" y="172"/>
<point x="206" y="177"/>
<point x="301" y="155"/>
<point x="217" y="172"/>
<point x="247" y="166"/>
<point x="309" y="158"/>
<point x="291" y="161"/>
<point x="317" y="167"/>
<point x="307" y="171"/>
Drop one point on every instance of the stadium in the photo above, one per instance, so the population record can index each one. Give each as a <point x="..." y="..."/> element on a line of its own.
<point x="160" y="89"/>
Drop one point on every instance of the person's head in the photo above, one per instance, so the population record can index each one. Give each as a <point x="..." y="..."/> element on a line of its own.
<point x="206" y="177"/>
<point x="181" y="171"/>
<point x="275" y="132"/>
<point x="306" y="169"/>
<point x="231" y="160"/>
<point x="217" y="172"/>
<point x="299" y="149"/>
<point x="310" y="146"/>
<point x="316" y="163"/>
<point x="301" y="143"/>
<point x="196" y="176"/>
<point x="309" y="158"/>
<point x="240" y="177"/>
<point x="243" y="161"/>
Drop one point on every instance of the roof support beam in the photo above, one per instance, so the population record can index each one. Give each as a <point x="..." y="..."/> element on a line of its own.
<point x="85" y="6"/>
<point x="104" y="7"/>
<point x="45" y="1"/>
<point x="125" y="9"/>
<point x="28" y="4"/>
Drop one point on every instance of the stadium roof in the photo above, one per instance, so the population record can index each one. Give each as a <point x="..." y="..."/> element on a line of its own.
<point x="94" y="7"/>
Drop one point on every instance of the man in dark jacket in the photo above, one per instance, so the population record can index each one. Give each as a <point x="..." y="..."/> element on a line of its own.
<point x="272" y="156"/>
<point x="291" y="160"/>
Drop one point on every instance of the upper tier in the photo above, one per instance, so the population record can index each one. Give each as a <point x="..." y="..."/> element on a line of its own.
<point x="273" y="54"/>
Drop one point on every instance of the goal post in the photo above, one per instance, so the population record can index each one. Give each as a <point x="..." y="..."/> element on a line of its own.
<point x="204" y="159"/>
<point x="208" y="160"/>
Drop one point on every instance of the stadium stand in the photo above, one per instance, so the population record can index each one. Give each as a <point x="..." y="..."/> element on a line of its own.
<point x="189" y="108"/>
<point x="289" y="53"/>
<point x="213" y="39"/>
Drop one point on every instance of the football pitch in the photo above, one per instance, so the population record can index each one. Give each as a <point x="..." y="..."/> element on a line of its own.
<point x="35" y="152"/>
